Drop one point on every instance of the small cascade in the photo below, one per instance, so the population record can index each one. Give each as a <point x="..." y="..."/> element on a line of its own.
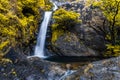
<point x="39" y="48"/>
<point x="67" y="73"/>
<point x="55" y="7"/>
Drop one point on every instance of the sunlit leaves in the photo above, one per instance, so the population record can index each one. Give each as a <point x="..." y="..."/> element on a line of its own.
<point x="3" y="18"/>
<point x="56" y="34"/>
<point x="111" y="11"/>
<point x="110" y="8"/>
<point x="4" y="44"/>
<point x="18" y="27"/>
<point x="63" y="21"/>
<point x="114" y="49"/>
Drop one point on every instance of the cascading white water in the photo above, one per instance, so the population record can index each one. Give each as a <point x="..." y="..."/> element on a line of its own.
<point x="67" y="73"/>
<point x="39" y="48"/>
<point x="55" y="7"/>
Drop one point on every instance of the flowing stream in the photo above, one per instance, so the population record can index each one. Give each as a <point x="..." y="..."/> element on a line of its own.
<point x="39" y="48"/>
<point x="67" y="73"/>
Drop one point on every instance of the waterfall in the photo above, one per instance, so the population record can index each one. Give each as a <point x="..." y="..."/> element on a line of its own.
<point x="39" y="48"/>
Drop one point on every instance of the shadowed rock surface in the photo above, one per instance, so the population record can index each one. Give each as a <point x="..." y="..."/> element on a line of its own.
<point x="84" y="39"/>
<point x="31" y="69"/>
<point x="108" y="69"/>
<point x="37" y="69"/>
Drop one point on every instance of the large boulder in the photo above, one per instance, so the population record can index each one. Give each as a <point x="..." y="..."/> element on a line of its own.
<point x="108" y="69"/>
<point x="85" y="39"/>
<point x="70" y="45"/>
<point x="32" y="68"/>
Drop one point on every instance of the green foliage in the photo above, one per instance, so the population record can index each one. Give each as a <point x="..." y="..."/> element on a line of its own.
<point x="5" y="61"/>
<point x="19" y="21"/>
<point x="63" y="21"/>
<point x="111" y="11"/>
<point x="113" y="50"/>
<point x="56" y="34"/>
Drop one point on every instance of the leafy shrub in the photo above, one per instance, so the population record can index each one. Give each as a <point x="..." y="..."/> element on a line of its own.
<point x="63" y="21"/>
<point x="19" y="20"/>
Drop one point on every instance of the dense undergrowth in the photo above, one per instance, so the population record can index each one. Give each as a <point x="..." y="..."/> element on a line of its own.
<point x="19" y="20"/>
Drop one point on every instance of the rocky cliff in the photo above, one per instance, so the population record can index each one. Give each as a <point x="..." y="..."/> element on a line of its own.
<point x="84" y="39"/>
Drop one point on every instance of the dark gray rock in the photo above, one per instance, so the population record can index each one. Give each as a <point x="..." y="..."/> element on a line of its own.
<point x="70" y="45"/>
<point x="31" y="69"/>
<point x="37" y="69"/>
<point x="87" y="38"/>
<point x="108" y="69"/>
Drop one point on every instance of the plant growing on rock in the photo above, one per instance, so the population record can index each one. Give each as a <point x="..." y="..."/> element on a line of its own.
<point x="63" y="21"/>
<point x="111" y="11"/>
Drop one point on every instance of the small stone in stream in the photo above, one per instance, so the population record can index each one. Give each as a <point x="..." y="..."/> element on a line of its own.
<point x="69" y="66"/>
<point x="2" y="70"/>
